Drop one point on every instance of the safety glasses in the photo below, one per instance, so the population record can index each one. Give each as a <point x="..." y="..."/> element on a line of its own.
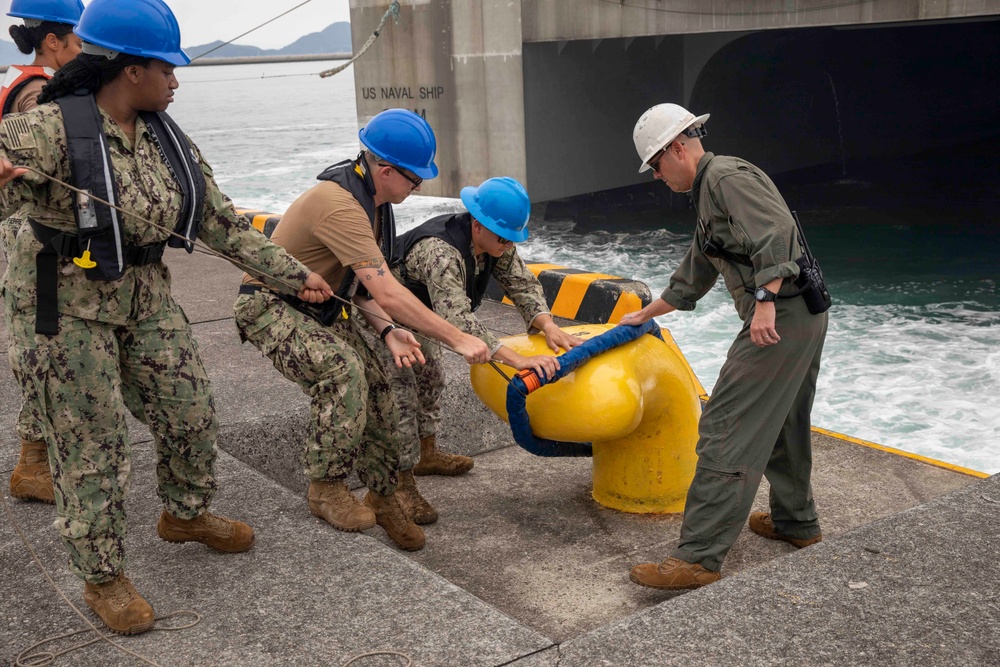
<point x="415" y="180"/>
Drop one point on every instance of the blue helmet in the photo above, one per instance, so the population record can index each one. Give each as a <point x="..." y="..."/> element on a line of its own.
<point x="57" y="11"/>
<point x="501" y="205"/>
<point x="402" y="138"/>
<point x="145" y="28"/>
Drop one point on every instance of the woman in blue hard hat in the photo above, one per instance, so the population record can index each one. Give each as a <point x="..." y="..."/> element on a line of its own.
<point x="448" y="263"/>
<point x="48" y="33"/>
<point x="94" y="328"/>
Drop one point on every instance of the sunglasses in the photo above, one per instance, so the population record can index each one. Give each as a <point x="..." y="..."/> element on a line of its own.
<point x="502" y="240"/>
<point x="654" y="162"/>
<point x="415" y="180"/>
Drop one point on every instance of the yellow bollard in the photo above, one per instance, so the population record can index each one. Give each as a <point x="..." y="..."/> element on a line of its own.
<point x="638" y="404"/>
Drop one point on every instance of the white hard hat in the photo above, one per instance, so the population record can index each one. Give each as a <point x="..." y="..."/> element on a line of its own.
<point x="659" y="126"/>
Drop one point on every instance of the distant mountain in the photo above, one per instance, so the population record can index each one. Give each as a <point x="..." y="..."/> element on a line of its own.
<point x="335" y="38"/>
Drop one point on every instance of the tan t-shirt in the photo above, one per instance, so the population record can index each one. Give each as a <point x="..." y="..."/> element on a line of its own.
<point x="27" y="97"/>
<point x="327" y="229"/>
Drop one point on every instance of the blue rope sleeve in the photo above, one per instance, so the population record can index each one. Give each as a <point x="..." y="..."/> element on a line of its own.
<point x="517" y="390"/>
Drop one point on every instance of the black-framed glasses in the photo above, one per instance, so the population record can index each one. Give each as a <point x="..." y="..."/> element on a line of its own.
<point x="654" y="162"/>
<point x="415" y="180"/>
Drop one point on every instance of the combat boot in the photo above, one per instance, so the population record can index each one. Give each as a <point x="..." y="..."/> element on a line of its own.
<point x="673" y="574"/>
<point x="420" y="510"/>
<point x="334" y="503"/>
<point x="760" y="523"/>
<point x="32" y="479"/>
<point x="435" y="462"/>
<point x="117" y="603"/>
<point x="390" y="515"/>
<point x="217" y="532"/>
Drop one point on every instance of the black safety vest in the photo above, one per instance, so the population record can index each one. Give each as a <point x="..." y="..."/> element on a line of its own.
<point x="456" y="231"/>
<point x="99" y="228"/>
<point x="353" y="176"/>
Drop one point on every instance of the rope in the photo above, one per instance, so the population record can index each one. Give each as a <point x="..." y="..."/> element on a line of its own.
<point x="45" y="657"/>
<point x="212" y="50"/>
<point x="393" y="11"/>
<point x="409" y="660"/>
<point x="204" y="249"/>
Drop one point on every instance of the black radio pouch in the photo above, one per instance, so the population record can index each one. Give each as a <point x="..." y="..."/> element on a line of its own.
<point x="811" y="285"/>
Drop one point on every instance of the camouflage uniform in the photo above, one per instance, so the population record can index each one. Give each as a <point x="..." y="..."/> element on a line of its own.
<point x="28" y="427"/>
<point x="121" y="344"/>
<point x="438" y="265"/>
<point x="354" y="416"/>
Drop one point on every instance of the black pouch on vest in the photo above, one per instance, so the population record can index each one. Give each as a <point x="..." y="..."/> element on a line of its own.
<point x="810" y="281"/>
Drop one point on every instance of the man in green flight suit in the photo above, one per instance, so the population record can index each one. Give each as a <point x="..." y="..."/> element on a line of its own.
<point x="757" y="420"/>
<point x="448" y="262"/>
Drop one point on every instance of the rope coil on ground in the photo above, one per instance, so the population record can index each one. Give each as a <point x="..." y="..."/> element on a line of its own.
<point x="393" y="11"/>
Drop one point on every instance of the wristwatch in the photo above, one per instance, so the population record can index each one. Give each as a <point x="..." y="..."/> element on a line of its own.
<point x="764" y="294"/>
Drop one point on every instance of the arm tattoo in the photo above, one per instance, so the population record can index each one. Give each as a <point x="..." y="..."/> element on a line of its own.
<point x="381" y="271"/>
<point x="369" y="264"/>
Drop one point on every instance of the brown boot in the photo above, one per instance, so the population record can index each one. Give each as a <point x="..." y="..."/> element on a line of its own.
<point x="119" y="605"/>
<point x="214" y="531"/>
<point x="434" y="462"/>
<point x="32" y="479"/>
<point x="673" y="574"/>
<point x="390" y="515"/>
<point x="418" y="508"/>
<point x="334" y="503"/>
<point x="760" y="523"/>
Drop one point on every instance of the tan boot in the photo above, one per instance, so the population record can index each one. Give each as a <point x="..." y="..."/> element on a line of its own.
<point x="217" y="532"/>
<point x="418" y="508"/>
<point x="333" y="502"/>
<point x="119" y="605"/>
<point x="435" y="462"/>
<point x="760" y="523"/>
<point x="32" y="479"/>
<point x="673" y="574"/>
<point x="390" y="515"/>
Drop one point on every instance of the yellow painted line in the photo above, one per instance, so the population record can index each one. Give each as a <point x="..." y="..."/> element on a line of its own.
<point x="904" y="454"/>
<point x="571" y="292"/>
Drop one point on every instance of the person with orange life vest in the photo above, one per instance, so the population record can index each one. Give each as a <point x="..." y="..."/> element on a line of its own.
<point x="48" y="33"/>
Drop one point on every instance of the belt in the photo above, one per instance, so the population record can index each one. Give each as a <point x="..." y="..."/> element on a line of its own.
<point x="56" y="244"/>
<point x="326" y="313"/>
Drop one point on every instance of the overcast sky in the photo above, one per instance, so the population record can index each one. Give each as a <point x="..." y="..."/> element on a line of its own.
<point x="204" y="21"/>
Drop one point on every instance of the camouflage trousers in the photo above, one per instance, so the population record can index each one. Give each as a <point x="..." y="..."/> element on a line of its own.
<point x="354" y="419"/>
<point x="78" y="385"/>
<point x="28" y="427"/>
<point x="418" y="393"/>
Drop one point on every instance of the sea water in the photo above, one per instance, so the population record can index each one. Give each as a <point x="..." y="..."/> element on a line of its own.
<point x="912" y="359"/>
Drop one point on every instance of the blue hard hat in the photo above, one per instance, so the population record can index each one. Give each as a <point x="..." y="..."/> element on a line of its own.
<point x="57" y="11"/>
<point x="501" y="205"/>
<point x="402" y="138"/>
<point x="145" y="28"/>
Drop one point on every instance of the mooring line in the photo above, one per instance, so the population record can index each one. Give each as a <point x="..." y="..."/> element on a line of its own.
<point x="203" y="248"/>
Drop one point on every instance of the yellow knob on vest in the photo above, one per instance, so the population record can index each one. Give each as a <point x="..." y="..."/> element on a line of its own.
<point x="84" y="261"/>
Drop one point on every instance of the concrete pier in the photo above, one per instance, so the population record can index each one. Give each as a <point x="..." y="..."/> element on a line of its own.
<point x="523" y="567"/>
